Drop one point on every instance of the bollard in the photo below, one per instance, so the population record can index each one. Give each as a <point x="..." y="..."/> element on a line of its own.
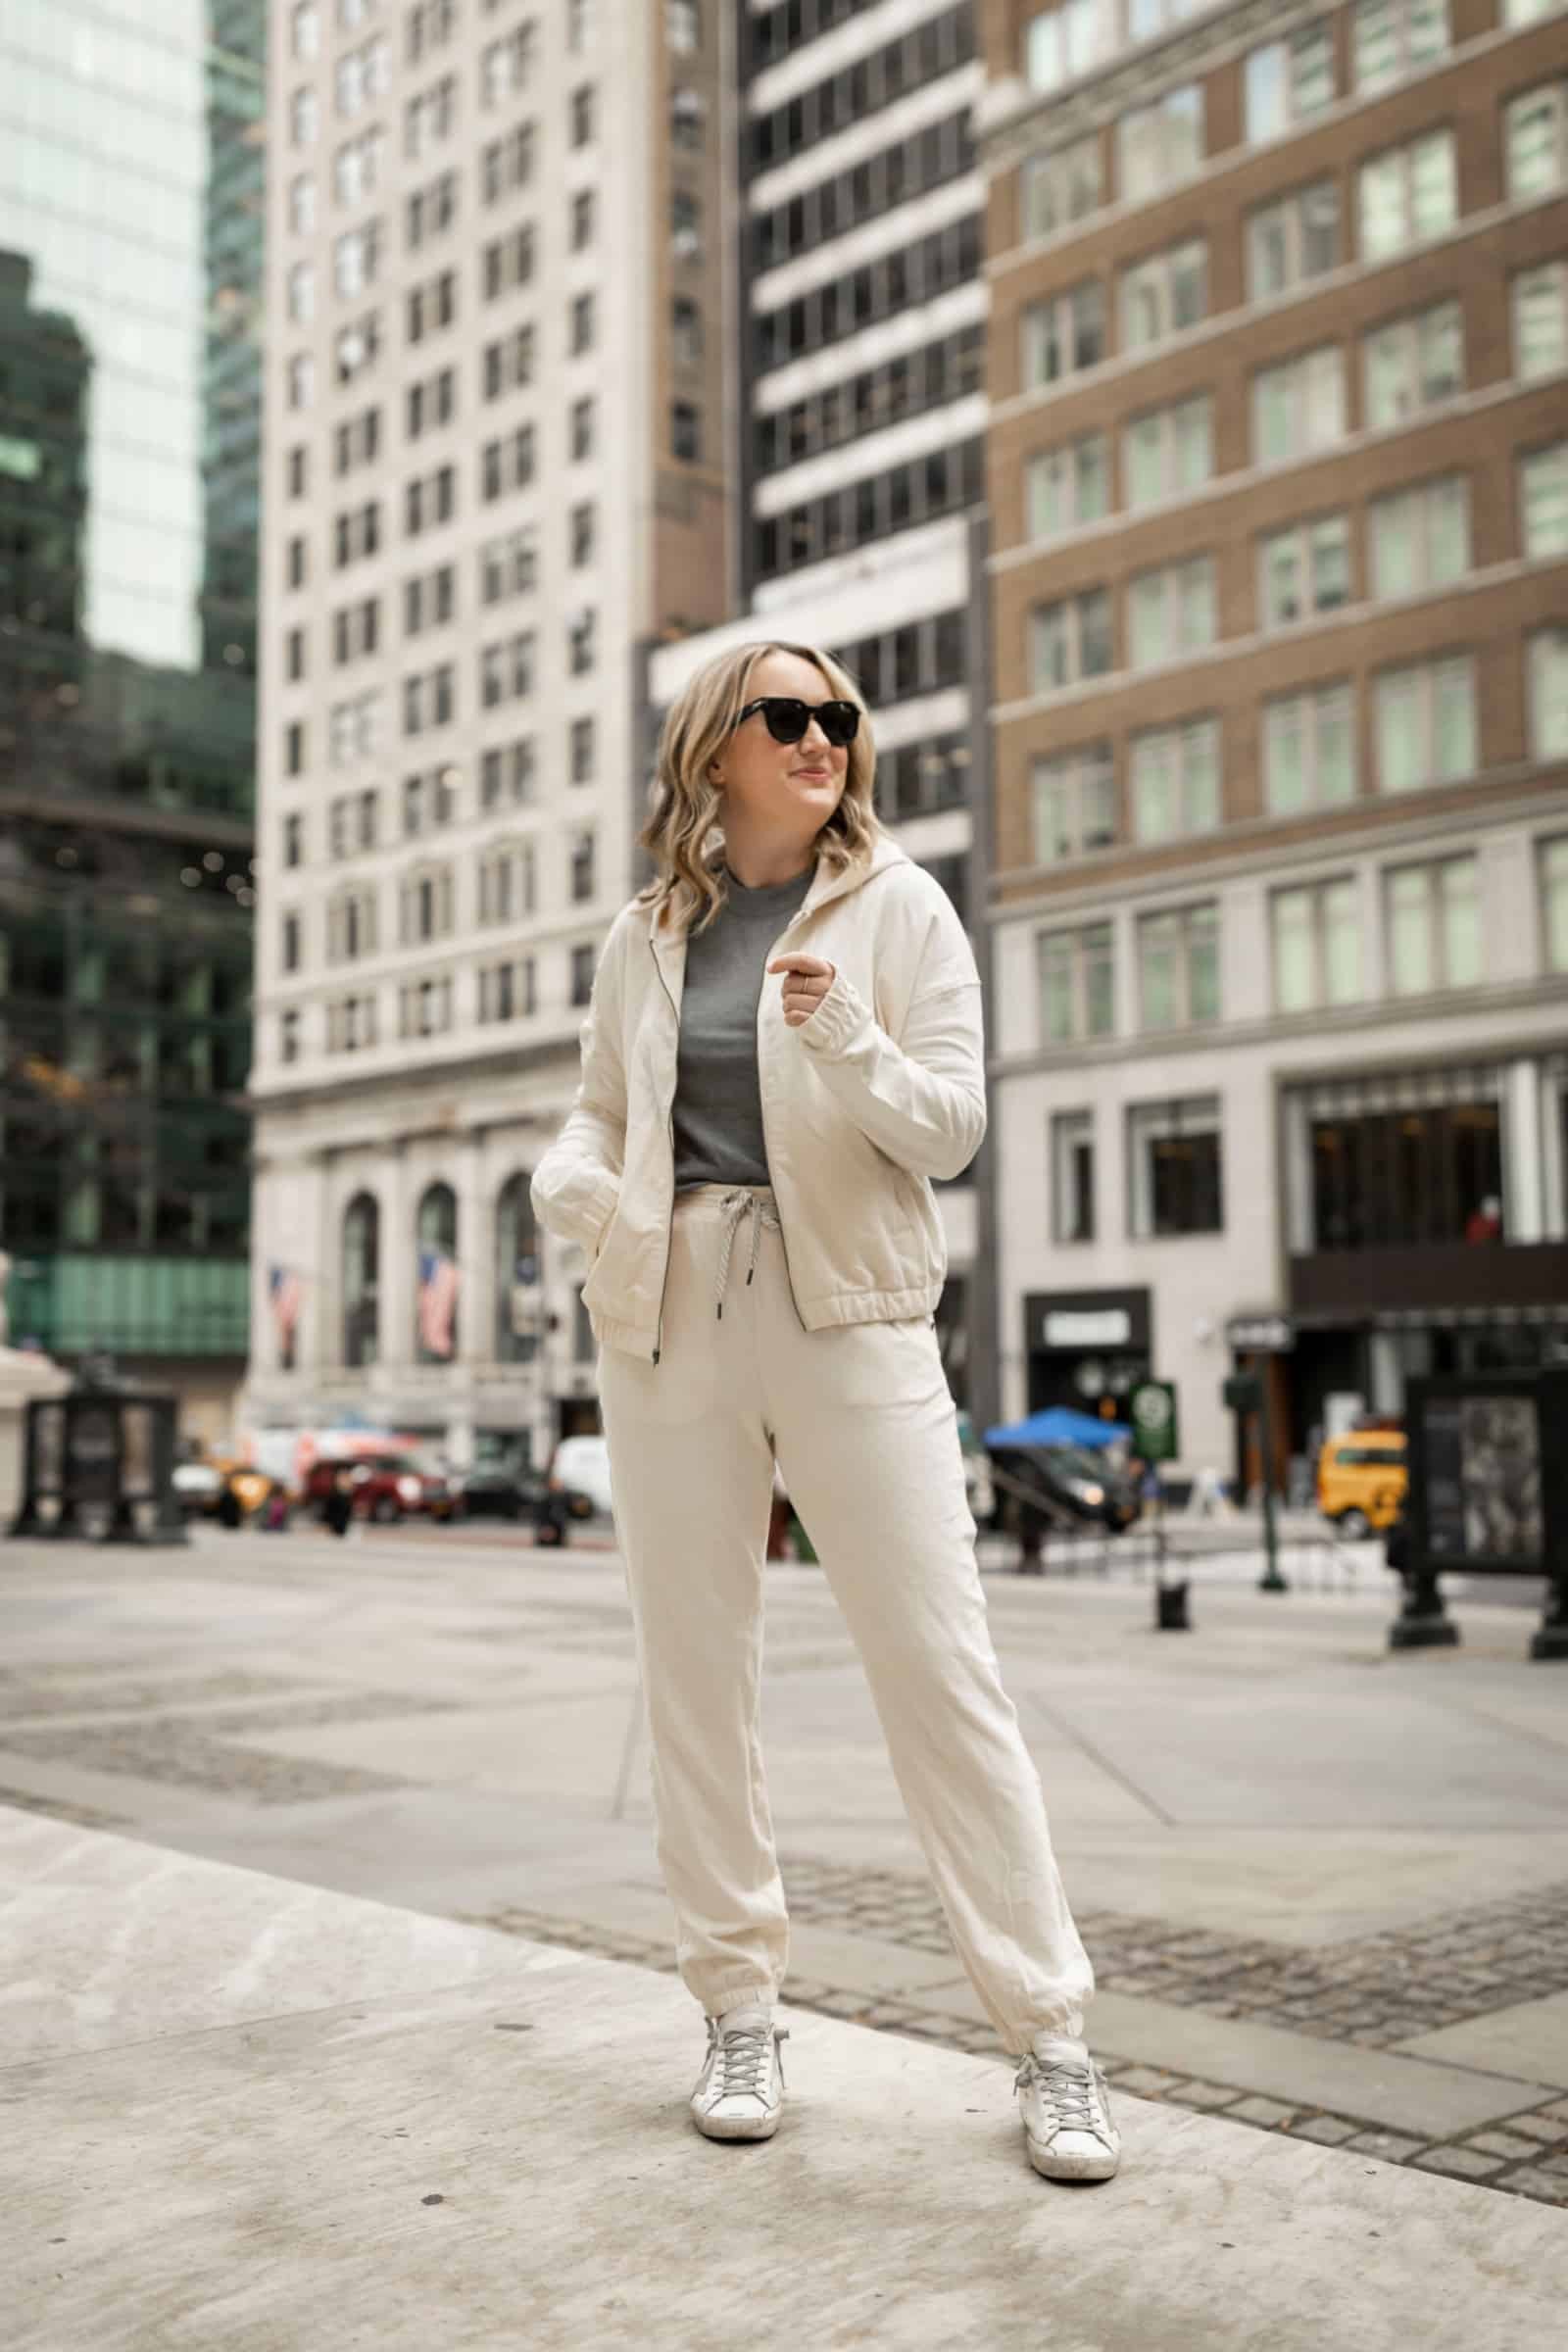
<point x="1170" y="1608"/>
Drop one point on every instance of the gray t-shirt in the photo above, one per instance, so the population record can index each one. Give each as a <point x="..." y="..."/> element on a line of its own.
<point x="718" y="1103"/>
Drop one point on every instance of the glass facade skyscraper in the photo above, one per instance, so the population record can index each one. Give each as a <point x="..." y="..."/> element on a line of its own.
<point x="132" y="223"/>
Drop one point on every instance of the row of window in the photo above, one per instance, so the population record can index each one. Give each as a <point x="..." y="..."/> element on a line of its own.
<point x="910" y="167"/>
<point x="508" y="892"/>
<point x="1417" y="537"/>
<point x="910" y="274"/>
<point x="1407" y="196"/>
<point x="506" y="774"/>
<point x="1432" y="938"/>
<point x="1425" y="731"/>
<point x="845" y="99"/>
<point x="425" y="1007"/>
<point x="430" y="116"/>
<point x="1175" y="1181"/>
<point x="508" y="671"/>
<point x="942" y="482"/>
<point x="845" y="412"/>
<point x="1284" y="83"/>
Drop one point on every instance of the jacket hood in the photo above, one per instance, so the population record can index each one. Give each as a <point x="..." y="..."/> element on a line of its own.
<point x="830" y="882"/>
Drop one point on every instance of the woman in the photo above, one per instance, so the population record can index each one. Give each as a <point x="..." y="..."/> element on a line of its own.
<point x="782" y="1049"/>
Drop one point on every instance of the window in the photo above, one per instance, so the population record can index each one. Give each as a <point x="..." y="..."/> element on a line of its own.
<point x="429" y="700"/>
<point x="1176" y="780"/>
<point x="1554" y="867"/>
<point x="507" y="879"/>
<point x="580" y="745"/>
<point x="582" y="975"/>
<point x="357" y="166"/>
<point x="433" y="306"/>
<point x="1160" y="143"/>
<point x="581" y="632"/>
<point x="1544" y="500"/>
<point x="1178" y="966"/>
<point x="430" y="209"/>
<point x="427" y="906"/>
<point x="1426" y="724"/>
<point x="296" y="562"/>
<point x="1420" y="538"/>
<point x="1071" y="640"/>
<point x="1541" y="320"/>
<point x="1055" y="190"/>
<point x="1413" y="363"/>
<point x="510" y="364"/>
<point x="356" y="258"/>
<point x="301" y="380"/>
<point x="1170" y="612"/>
<point x="293" y="839"/>
<point x="508" y="262"/>
<point x="1537" y="141"/>
<point x="305" y="30"/>
<point x="1173" y="1162"/>
<point x="505" y="64"/>
<point x="1316" y="944"/>
<point x="1069" y="486"/>
<point x="582" y="220"/>
<point x="686" y="331"/>
<point x="506" y="670"/>
<point x="1434" y="918"/>
<point x="582" y="526"/>
<point x="685" y="224"/>
<point x="1309" y="750"/>
<point x="507" y="163"/>
<point x="1063" y="335"/>
<point x="302" y="293"/>
<point x="1303" y="570"/>
<point x="506" y="773"/>
<point x="1391" y="39"/>
<point x="1549" y="694"/>
<point x="430" y="116"/>
<point x="1289" y="80"/>
<point x="1168" y="451"/>
<point x="302" y="117"/>
<point x="1077" y="984"/>
<point x="1072" y="1176"/>
<point x="1295" y="239"/>
<point x="581" y="331"/>
<point x="354" y="347"/>
<point x="289" y="1036"/>
<point x="431" y="403"/>
<point x="1074" y="801"/>
<point x="1059" y="43"/>
<point x="582" y="427"/>
<point x="298" y="469"/>
<point x="582" y="867"/>
<point x="302" y="205"/>
<point x="1406" y="195"/>
<point x="509" y="564"/>
<point x="1528" y="12"/>
<point x="507" y="464"/>
<point x="1299" y="406"/>
<point x="1164" y="295"/>
<point x="582" y="115"/>
<point x="294" y="747"/>
<point x="353" y="728"/>
<point x="686" y="118"/>
<point x="685" y="431"/>
<point x="683" y="25"/>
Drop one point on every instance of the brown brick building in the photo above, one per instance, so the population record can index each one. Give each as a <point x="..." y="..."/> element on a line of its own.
<point x="1278" y="472"/>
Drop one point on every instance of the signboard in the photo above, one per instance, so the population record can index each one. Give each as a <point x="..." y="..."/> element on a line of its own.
<point x="1152" y="1409"/>
<point x="1261" y="1334"/>
<point x="1074" y="1322"/>
<point x="1481" y="1466"/>
<point x="1110" y="1328"/>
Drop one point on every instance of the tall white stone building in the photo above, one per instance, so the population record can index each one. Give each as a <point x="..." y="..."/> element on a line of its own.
<point x="493" y="434"/>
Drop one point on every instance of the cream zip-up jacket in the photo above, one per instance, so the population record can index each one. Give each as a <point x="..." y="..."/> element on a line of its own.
<point x="881" y="1089"/>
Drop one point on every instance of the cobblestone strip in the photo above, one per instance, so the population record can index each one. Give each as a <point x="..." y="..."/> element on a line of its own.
<point x="1370" y="1991"/>
<point x="176" y="1753"/>
<point x="1528" y="2156"/>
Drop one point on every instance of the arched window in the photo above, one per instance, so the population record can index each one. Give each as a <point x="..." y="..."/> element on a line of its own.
<point x="362" y="1280"/>
<point x="435" y="1282"/>
<point x="518" y="1298"/>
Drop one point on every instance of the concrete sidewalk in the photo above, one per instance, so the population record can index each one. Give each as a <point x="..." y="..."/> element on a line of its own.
<point x="252" y="2116"/>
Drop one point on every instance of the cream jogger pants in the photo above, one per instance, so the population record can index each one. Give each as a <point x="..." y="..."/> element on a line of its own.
<point x="865" y="1433"/>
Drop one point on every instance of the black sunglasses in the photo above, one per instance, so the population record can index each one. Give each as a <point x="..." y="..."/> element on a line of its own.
<point x="788" y="718"/>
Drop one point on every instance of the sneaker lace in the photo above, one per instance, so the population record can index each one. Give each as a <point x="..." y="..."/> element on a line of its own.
<point x="1073" y="2090"/>
<point x="742" y="2056"/>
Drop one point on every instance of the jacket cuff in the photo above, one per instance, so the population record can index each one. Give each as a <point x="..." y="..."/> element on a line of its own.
<point x="838" y="1020"/>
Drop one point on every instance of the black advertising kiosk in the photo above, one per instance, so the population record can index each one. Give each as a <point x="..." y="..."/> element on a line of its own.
<point x="1489" y="1493"/>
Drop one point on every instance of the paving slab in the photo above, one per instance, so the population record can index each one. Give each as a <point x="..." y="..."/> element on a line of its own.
<point x="1405" y="2093"/>
<point x="451" y="2166"/>
<point x="1532" y="2035"/>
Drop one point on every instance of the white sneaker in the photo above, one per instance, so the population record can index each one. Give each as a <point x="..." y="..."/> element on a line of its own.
<point x="1065" y="2110"/>
<point x="740" y="2092"/>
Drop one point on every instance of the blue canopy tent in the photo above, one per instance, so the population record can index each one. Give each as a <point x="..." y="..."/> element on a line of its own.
<point x="1058" y="1425"/>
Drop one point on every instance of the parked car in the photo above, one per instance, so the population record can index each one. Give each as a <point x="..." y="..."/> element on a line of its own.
<point x="1073" y="1483"/>
<point x="386" y="1487"/>
<point x="580" y="1468"/>
<point x="197" y="1487"/>
<point x="500" y="1490"/>
<point x="1362" y="1476"/>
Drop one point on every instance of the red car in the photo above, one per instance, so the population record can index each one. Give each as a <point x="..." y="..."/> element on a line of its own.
<point x="386" y="1487"/>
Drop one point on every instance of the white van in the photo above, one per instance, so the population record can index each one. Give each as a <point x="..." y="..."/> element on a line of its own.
<point x="582" y="1464"/>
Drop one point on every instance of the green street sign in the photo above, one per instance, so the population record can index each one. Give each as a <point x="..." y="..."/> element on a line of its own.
<point x="1155" y="1432"/>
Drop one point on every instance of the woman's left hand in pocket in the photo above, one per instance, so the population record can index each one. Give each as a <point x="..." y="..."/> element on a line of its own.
<point x="806" y="981"/>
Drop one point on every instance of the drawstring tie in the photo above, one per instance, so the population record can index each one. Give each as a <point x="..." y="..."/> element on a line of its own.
<point x="735" y="1205"/>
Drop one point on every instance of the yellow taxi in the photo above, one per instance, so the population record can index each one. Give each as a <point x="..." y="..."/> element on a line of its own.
<point x="1361" y="1480"/>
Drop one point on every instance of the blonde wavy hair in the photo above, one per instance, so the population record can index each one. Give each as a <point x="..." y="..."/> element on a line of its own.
<point x="684" y="832"/>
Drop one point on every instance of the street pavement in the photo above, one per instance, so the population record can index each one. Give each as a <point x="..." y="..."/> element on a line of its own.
<point x="1324" y="1886"/>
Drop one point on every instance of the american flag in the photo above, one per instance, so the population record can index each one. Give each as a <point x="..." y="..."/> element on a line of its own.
<point x="438" y="1300"/>
<point x="285" y="1290"/>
